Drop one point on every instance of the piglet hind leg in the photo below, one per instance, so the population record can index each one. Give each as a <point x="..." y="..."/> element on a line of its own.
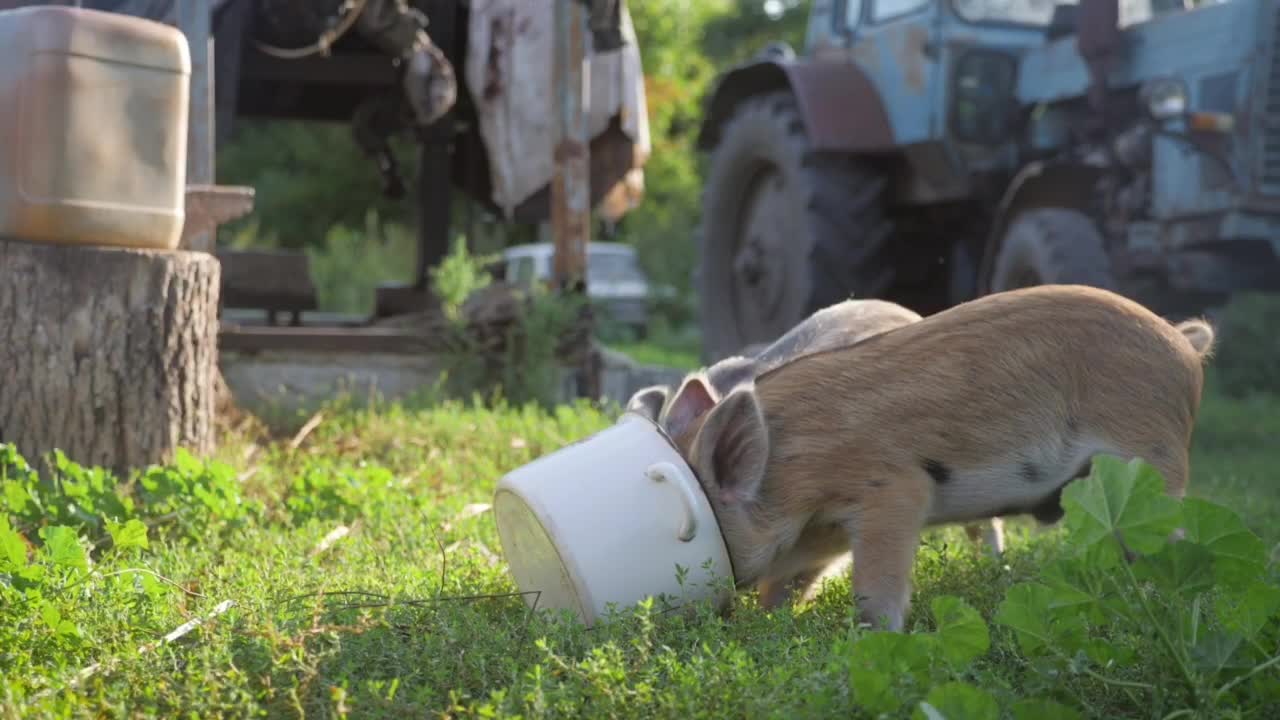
<point x="802" y="586"/>
<point x="807" y="586"/>
<point x="774" y="592"/>
<point x="993" y="534"/>
<point x="990" y="533"/>
<point x="885" y="535"/>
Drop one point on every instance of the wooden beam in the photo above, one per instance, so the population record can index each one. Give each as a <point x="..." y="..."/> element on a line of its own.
<point x="571" y="181"/>
<point x="571" y="178"/>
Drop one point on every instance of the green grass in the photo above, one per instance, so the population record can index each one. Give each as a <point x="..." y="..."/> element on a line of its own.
<point x="663" y="348"/>
<point x="652" y="354"/>
<point x="367" y="627"/>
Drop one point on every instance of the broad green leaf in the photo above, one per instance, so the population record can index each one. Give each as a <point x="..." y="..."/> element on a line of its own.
<point x="1180" y="569"/>
<point x="1247" y="611"/>
<point x="961" y="632"/>
<point x="16" y="496"/>
<point x="1043" y="710"/>
<point x="63" y="547"/>
<point x="58" y="624"/>
<point x="1025" y="609"/>
<point x="1105" y="653"/>
<point x="895" y="653"/>
<point x="1120" y="501"/>
<point x="1028" y="610"/>
<point x="1239" y="554"/>
<point x="1217" y="650"/>
<point x="130" y="534"/>
<point x="958" y="701"/>
<point x="1073" y="584"/>
<point x="13" y="551"/>
<point x="32" y="574"/>
<point x="873" y="690"/>
<point x="880" y="658"/>
<point x="50" y="614"/>
<point x="11" y="462"/>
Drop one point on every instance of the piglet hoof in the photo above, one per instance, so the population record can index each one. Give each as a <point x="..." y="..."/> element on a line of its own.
<point x="773" y="593"/>
<point x="725" y="610"/>
<point x="867" y="620"/>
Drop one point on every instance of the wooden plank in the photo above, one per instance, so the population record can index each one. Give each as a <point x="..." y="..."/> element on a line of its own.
<point x="267" y="280"/>
<point x="208" y="206"/>
<point x="233" y="338"/>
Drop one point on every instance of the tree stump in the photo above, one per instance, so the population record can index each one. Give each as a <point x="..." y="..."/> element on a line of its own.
<point x="109" y="355"/>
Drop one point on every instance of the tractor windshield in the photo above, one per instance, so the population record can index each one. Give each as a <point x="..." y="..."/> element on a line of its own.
<point x="1038" y="13"/>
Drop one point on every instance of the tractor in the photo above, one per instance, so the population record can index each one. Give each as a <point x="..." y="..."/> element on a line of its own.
<point x="933" y="151"/>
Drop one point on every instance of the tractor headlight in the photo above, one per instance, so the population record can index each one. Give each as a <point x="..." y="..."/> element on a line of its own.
<point x="1164" y="98"/>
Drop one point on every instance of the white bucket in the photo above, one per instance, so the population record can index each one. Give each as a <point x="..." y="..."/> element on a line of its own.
<point x="607" y="520"/>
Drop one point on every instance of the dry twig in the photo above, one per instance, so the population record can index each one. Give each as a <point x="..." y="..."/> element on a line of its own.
<point x="173" y="635"/>
<point x="306" y="430"/>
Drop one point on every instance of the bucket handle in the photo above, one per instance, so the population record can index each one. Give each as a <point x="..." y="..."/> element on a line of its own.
<point x="669" y="473"/>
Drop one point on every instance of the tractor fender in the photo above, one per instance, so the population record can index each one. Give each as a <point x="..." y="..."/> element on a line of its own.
<point x="1055" y="184"/>
<point x="840" y="107"/>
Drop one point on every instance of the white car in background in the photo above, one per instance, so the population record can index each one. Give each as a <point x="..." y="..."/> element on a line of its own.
<point x="615" y="281"/>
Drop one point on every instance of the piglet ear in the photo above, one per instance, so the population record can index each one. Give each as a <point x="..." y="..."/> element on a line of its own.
<point x="694" y="398"/>
<point x="727" y="374"/>
<point x="649" y="401"/>
<point x="732" y="447"/>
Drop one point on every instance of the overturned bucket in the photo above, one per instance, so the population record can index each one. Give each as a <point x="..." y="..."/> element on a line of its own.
<point x="607" y="520"/>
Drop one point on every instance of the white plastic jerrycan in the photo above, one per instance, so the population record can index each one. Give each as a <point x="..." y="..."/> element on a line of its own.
<point x="607" y="520"/>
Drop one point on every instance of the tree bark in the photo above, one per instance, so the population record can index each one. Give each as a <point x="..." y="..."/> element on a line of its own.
<point x="109" y="355"/>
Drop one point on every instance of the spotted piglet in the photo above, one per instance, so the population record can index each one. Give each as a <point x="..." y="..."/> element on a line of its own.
<point x="986" y="409"/>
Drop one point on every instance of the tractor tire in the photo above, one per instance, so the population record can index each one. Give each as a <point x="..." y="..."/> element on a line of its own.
<point x="784" y="232"/>
<point x="1052" y="246"/>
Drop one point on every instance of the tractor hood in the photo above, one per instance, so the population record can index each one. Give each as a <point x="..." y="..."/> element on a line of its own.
<point x="1187" y="44"/>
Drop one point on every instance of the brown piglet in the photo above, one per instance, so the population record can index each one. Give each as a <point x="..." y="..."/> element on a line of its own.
<point x="839" y="325"/>
<point x="987" y="409"/>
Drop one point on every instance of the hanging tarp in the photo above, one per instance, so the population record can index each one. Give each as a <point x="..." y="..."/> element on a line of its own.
<point x="509" y="76"/>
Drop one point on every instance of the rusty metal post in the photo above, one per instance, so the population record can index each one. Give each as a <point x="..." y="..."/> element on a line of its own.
<point x="570" y="184"/>
<point x="571" y="179"/>
<point x="194" y="19"/>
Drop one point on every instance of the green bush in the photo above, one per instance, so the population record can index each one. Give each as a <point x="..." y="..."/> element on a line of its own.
<point x="527" y="371"/>
<point x="1247" y="359"/>
<point x="348" y="268"/>
<point x="458" y="276"/>
<point x="347" y="265"/>
<point x="307" y="178"/>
